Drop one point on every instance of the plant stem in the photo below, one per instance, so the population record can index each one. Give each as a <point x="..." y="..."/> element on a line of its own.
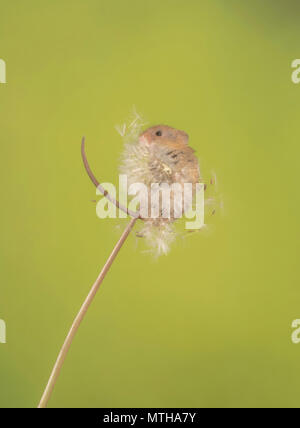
<point x="100" y="187"/>
<point x="67" y="343"/>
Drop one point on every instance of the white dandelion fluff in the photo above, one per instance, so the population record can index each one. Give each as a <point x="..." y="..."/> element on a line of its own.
<point x="157" y="156"/>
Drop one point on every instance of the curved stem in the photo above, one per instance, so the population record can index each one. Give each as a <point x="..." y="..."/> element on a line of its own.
<point x="101" y="188"/>
<point x="67" y="343"/>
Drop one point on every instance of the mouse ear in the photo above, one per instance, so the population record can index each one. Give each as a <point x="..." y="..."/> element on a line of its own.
<point x="185" y="137"/>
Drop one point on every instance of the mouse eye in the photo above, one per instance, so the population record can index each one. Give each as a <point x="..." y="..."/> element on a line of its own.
<point x="158" y="133"/>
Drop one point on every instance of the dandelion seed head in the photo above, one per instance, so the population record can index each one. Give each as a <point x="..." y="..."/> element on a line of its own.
<point x="158" y="155"/>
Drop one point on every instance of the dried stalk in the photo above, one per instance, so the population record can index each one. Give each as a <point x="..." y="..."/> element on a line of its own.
<point x="101" y="188"/>
<point x="86" y="304"/>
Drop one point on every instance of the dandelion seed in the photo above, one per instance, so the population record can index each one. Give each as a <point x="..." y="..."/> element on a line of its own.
<point x="158" y="155"/>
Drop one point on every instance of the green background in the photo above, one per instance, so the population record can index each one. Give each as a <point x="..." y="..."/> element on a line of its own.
<point x="210" y="324"/>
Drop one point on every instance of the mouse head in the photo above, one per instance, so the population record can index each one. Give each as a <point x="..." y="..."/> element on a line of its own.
<point x="164" y="134"/>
